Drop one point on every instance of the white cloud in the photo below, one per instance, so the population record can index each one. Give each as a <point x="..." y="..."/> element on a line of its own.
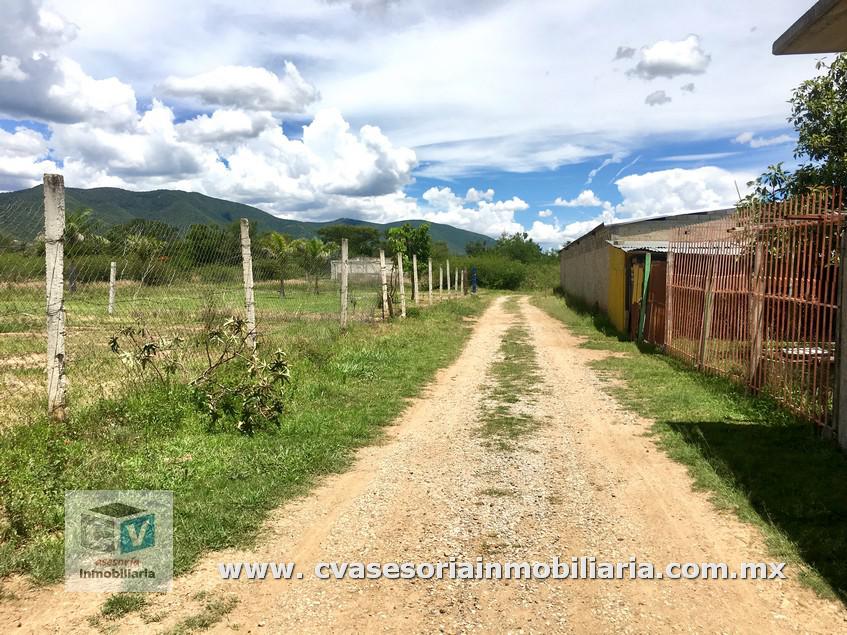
<point x="10" y="69"/>
<point x="48" y="85"/>
<point x="667" y="58"/>
<point x="748" y="138"/>
<point x="657" y="98"/>
<point x="247" y="88"/>
<point x="617" y="157"/>
<point x="225" y="125"/>
<point x="688" y="88"/>
<point x="23" y="159"/>
<point x="586" y="198"/>
<point x="624" y="53"/>
<point x="545" y="213"/>
<point x="474" y="195"/>
<point x="493" y="218"/>
<point x="678" y="191"/>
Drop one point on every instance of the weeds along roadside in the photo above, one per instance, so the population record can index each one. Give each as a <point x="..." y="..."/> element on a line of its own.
<point x="754" y="458"/>
<point x="344" y="388"/>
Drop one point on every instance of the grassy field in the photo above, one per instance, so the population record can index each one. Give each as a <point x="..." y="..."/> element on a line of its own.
<point x="755" y="458"/>
<point x="181" y="310"/>
<point x="345" y="386"/>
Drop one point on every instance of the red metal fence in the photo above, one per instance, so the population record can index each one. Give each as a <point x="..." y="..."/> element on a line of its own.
<point x="755" y="298"/>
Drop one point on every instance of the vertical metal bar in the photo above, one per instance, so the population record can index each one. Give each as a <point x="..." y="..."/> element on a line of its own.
<point x="669" y="280"/>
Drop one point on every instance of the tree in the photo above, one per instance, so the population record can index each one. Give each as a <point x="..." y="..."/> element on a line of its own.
<point x="408" y="240"/>
<point x="143" y="227"/>
<point x="281" y="249"/>
<point x="519" y="246"/>
<point x="361" y="239"/>
<point x="313" y="254"/>
<point x="476" y="247"/>
<point x="819" y="115"/>
<point x="208" y="244"/>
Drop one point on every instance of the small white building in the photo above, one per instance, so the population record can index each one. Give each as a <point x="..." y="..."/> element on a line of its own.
<point x="358" y="268"/>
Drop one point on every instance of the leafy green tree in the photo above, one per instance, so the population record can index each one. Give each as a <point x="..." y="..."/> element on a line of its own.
<point x="362" y="240"/>
<point x="157" y="229"/>
<point x="408" y="240"/>
<point x="281" y="249"/>
<point x="207" y="244"/>
<point x="819" y="115"/>
<point x="476" y="247"/>
<point x="313" y="255"/>
<point x="518" y="246"/>
<point x="439" y="251"/>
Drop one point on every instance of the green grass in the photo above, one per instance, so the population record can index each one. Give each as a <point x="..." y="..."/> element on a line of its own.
<point x="345" y="387"/>
<point x="213" y="611"/>
<point x="754" y="457"/>
<point x="122" y="604"/>
<point x="513" y="381"/>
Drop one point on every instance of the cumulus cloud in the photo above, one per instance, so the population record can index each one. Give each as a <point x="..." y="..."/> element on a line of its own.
<point x="748" y="138"/>
<point x="545" y="213"/>
<point x="688" y="88"/>
<point x="10" y="69"/>
<point x="442" y="205"/>
<point x="23" y="159"/>
<point x="247" y="88"/>
<point x="624" y="53"/>
<point x="47" y="85"/>
<point x="586" y="198"/>
<point x="678" y="191"/>
<point x="667" y="58"/>
<point x="474" y="195"/>
<point x="226" y="125"/>
<point x="657" y="98"/>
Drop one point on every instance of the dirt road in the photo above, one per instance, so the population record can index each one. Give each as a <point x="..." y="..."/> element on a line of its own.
<point x="586" y="481"/>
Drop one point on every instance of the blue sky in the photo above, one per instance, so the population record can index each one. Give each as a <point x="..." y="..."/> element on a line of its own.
<point x="495" y="115"/>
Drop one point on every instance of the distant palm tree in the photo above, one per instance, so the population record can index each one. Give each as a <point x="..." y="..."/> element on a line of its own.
<point x="314" y="254"/>
<point x="281" y="249"/>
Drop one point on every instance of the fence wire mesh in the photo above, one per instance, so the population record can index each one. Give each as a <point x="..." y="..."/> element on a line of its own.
<point x="153" y="282"/>
<point x="755" y="298"/>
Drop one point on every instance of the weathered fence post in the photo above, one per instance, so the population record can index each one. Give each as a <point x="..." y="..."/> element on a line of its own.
<point x="344" y="272"/>
<point x="757" y="323"/>
<point x="839" y="410"/>
<point x="384" y="281"/>
<point x="415" y="277"/>
<point x="441" y="283"/>
<point x="429" y="276"/>
<point x="448" y="278"/>
<point x="708" y="294"/>
<point x="113" y="275"/>
<point x="402" y="285"/>
<point x="247" y="266"/>
<point x="464" y="281"/>
<point x="456" y="281"/>
<point x="54" y="259"/>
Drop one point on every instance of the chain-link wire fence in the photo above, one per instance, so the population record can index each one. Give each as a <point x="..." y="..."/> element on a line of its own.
<point x="114" y="290"/>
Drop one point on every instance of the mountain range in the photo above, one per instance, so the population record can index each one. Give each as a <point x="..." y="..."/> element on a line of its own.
<point x="21" y="216"/>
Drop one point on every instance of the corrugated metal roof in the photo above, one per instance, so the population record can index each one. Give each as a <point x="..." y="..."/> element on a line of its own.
<point x="655" y="246"/>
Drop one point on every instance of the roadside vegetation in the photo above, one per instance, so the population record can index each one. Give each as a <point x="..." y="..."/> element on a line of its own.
<point x="513" y="262"/>
<point x="753" y="457"/>
<point x="344" y="386"/>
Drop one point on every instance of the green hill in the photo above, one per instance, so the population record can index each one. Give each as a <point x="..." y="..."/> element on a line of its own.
<point x="20" y="213"/>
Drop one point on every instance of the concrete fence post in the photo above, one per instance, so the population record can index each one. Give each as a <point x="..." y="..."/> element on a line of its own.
<point x="429" y="276"/>
<point x="402" y="285"/>
<point x="464" y="282"/>
<point x="441" y="283"/>
<point x="415" y="278"/>
<point x="344" y="272"/>
<point x="456" y="280"/>
<point x="448" y="279"/>
<point x="54" y="260"/>
<point x="113" y="276"/>
<point x="384" y="281"/>
<point x="247" y="267"/>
